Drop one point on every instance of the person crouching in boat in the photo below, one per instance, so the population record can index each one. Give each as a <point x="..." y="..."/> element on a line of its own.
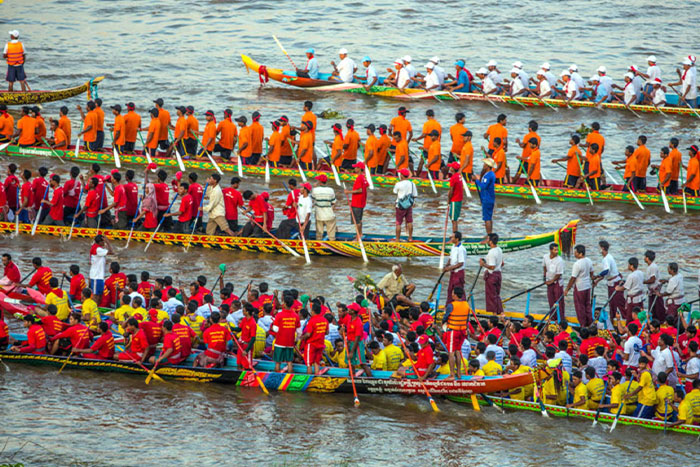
<point x="36" y="337"/>
<point x="424" y="361"/>
<point x="172" y="350"/>
<point x="216" y="337"/>
<point x="311" y="68"/>
<point x="59" y="140"/>
<point x="77" y="336"/>
<point x="137" y="349"/>
<point x="102" y="348"/>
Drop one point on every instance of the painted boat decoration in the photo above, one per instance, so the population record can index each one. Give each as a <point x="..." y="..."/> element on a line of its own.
<point x="324" y="85"/>
<point x="334" y="380"/>
<point x="375" y="245"/>
<point x="583" y="414"/>
<point x="38" y="97"/>
<point x="552" y="190"/>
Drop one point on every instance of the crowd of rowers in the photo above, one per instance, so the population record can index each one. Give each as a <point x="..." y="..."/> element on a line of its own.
<point x="295" y="147"/>
<point x="639" y="87"/>
<point x="647" y="364"/>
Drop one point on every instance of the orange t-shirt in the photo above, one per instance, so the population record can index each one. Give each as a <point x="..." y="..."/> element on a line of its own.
<point x="499" y="157"/>
<point x="192" y="127"/>
<point x="527" y="150"/>
<point x="337" y="146"/>
<point x="286" y="149"/>
<point x="60" y="137"/>
<point x="243" y="138"/>
<point x="434" y="153"/>
<point x="352" y="139"/>
<point x="534" y="164"/>
<point x="401" y="151"/>
<point x="119" y="127"/>
<point x="164" y="119"/>
<point x="181" y="128"/>
<point x="227" y="133"/>
<point x="594" y="166"/>
<point x="597" y="138"/>
<point x="429" y="126"/>
<point x="209" y="135"/>
<point x="41" y="127"/>
<point x="497" y="131"/>
<point x="306" y="142"/>
<point x="371" y="145"/>
<point x="310" y="117"/>
<point x="456" y="132"/>
<point x="665" y="169"/>
<point x="573" y="169"/>
<point x="7" y="125"/>
<point x="467" y="151"/>
<point x="694" y="169"/>
<point x="153" y="127"/>
<point x="90" y="136"/>
<point x="132" y="123"/>
<point x="402" y="125"/>
<point x="257" y="134"/>
<point x="275" y="146"/>
<point x="643" y="157"/>
<point x="100" y="115"/>
<point x="64" y="124"/>
<point x="676" y="158"/>
<point x="631" y="165"/>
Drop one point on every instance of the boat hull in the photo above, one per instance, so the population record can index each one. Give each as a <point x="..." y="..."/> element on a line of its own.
<point x="38" y="97"/>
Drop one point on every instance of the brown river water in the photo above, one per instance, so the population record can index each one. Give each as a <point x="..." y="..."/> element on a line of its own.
<point x="189" y="53"/>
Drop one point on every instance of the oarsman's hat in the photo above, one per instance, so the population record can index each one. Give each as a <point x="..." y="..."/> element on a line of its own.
<point x="343" y="51"/>
<point x="430" y="65"/>
<point x="181" y="108"/>
<point x="694" y="148"/>
<point x="153" y="112"/>
<point x="657" y="81"/>
<point x="541" y="72"/>
<point x="632" y="68"/>
<point x="514" y="70"/>
<point x="209" y="113"/>
<point x="482" y="71"/>
<point x="321" y="178"/>
<point x="545" y="66"/>
<point x="435" y="60"/>
<point x="651" y="58"/>
<point x="573" y="67"/>
<point x="492" y="63"/>
<point x="355" y="307"/>
<point x="405" y="172"/>
<point x="595" y="78"/>
<point x="116" y="107"/>
<point x="256" y="116"/>
<point x="130" y="106"/>
<point x="359" y="164"/>
<point x="490" y="162"/>
<point x="283" y="118"/>
<point x="242" y="119"/>
<point x="686" y="61"/>
<point x="398" y="61"/>
<point x="366" y="59"/>
<point x="371" y="127"/>
<point x="307" y="187"/>
<point x="310" y="51"/>
<point x="114" y="171"/>
<point x="434" y="134"/>
<point x="565" y="73"/>
<point x="459" y="63"/>
<point x="518" y="65"/>
<point x="190" y="109"/>
<point x="454" y="165"/>
<point x="422" y="340"/>
<point x="406" y="59"/>
<point x="159" y="101"/>
<point x="692" y="58"/>
<point x="602" y="69"/>
<point x="14" y="33"/>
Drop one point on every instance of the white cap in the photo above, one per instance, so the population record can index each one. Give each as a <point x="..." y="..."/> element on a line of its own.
<point x="14" y="33"/>
<point x="406" y="59"/>
<point x="398" y="61"/>
<point x="435" y="60"/>
<point x="692" y="58"/>
<point x="482" y="71"/>
<point x="541" y="73"/>
<point x="629" y="75"/>
<point x="343" y="51"/>
<point x="430" y="65"/>
<point x="515" y="70"/>
<point x="651" y="58"/>
<point x="492" y="63"/>
<point x="518" y="64"/>
<point x="545" y="66"/>
<point x="686" y="61"/>
<point x="565" y="73"/>
<point x="657" y="81"/>
<point x="595" y="78"/>
<point x="573" y="67"/>
<point x="602" y="69"/>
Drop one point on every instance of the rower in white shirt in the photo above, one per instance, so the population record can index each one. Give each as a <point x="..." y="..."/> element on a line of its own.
<point x="688" y="83"/>
<point x="432" y="83"/>
<point x="627" y="96"/>
<point x="674" y="294"/>
<point x="652" y="277"/>
<point x="524" y="77"/>
<point x="580" y="281"/>
<point x="553" y="268"/>
<point x="412" y="72"/>
<point x="487" y="84"/>
<point x="657" y="97"/>
<point x="634" y="286"/>
<point x="653" y="72"/>
<point x="403" y="80"/>
<point x="605" y="80"/>
<point x="516" y="84"/>
<point x="571" y="90"/>
<point x="544" y="90"/>
<point x="370" y="78"/>
<point x="438" y="70"/>
<point x="345" y="69"/>
<point x="494" y="73"/>
<point x="613" y="278"/>
<point x="578" y="79"/>
<point x="637" y="83"/>
<point x="551" y="79"/>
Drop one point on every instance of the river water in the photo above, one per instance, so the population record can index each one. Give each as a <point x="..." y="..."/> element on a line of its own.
<point x="188" y="53"/>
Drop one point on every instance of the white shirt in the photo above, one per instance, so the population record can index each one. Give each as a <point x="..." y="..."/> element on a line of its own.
<point x="600" y="364"/>
<point x="674" y="286"/>
<point x="608" y="264"/>
<point x="582" y="272"/>
<point x="663" y="361"/>
<point x="566" y="360"/>
<point x="432" y="81"/>
<point x="630" y="95"/>
<point x="633" y="346"/>
<point x="652" y="271"/>
<point x="266" y="322"/>
<point x="440" y="74"/>
<point x="658" y="97"/>
<point x="634" y="285"/>
<point x="97" y="264"/>
<point x="346" y="70"/>
<point x="529" y="358"/>
<point x="216" y="206"/>
<point x="553" y="266"/>
<point x="370" y="73"/>
<point x="403" y="78"/>
<point x="495" y="77"/>
<point x="693" y="366"/>
<point x="411" y="70"/>
<point x="235" y="317"/>
<point x="545" y="89"/>
<point x="304" y="207"/>
<point x="689" y="81"/>
<point x="488" y="85"/>
<point x="495" y="258"/>
<point x="606" y="81"/>
<point x="515" y="86"/>
<point x="524" y="78"/>
<point x="206" y="310"/>
<point x="467" y="349"/>
<point x="551" y="79"/>
<point x="133" y="295"/>
<point x="482" y="360"/>
<point x="171" y="305"/>
<point x="638" y="84"/>
<point x="458" y="254"/>
<point x="572" y="89"/>
<point x="576" y="78"/>
<point x="498" y="351"/>
<point x="653" y="72"/>
<point x="324" y="199"/>
<point x="405" y="188"/>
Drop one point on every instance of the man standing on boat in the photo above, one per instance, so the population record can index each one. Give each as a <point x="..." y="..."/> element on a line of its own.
<point x="652" y="277"/>
<point x="456" y="265"/>
<point x="553" y="266"/>
<point x="492" y="277"/>
<point x="15" y="54"/>
<point x="324" y="199"/>
<point x="359" y="195"/>
<point x="613" y="278"/>
<point x="311" y="68"/>
<point x="580" y="281"/>
<point x="486" y="185"/>
<point x="98" y="257"/>
<point x="406" y="194"/>
<point x="345" y="69"/>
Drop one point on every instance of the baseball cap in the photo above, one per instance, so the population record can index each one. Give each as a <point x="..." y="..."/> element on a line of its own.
<point x="573" y="67"/>
<point x="459" y="63"/>
<point x="565" y="73"/>
<point x="595" y="78"/>
<point x="158" y="101"/>
<point x="430" y="65"/>
<point x="454" y="165"/>
<point x="423" y="339"/>
<point x="398" y="61"/>
<point x="405" y="172"/>
<point x="190" y="109"/>
<point x="366" y="58"/>
<point x="321" y="178"/>
<point x="354" y="306"/>
<point x="310" y="51"/>
<point x="482" y="71"/>
<point x="541" y="72"/>
<point x="406" y="58"/>
<point x="693" y="148"/>
<point x="545" y="66"/>
<point x="242" y="119"/>
<point x="116" y="107"/>
<point x="602" y="69"/>
<point x="307" y="186"/>
<point x="492" y="63"/>
<point x="14" y="33"/>
<point x="181" y="108"/>
<point x="515" y="70"/>
<point x="435" y="60"/>
<point x="651" y="58"/>
<point x="371" y="127"/>
<point x="518" y="64"/>
<point x="403" y="109"/>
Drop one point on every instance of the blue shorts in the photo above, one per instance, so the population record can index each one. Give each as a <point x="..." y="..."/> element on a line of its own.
<point x="644" y="411"/>
<point x="97" y="286"/>
<point x="15" y="73"/>
<point x="486" y="212"/>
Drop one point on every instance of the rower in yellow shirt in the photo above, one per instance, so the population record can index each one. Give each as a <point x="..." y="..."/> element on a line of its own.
<point x="664" y="398"/>
<point x="685" y="410"/>
<point x="693" y="399"/>
<point x="620" y="389"/>
<point x="474" y="368"/>
<point x="580" y="391"/>
<point x="193" y="320"/>
<point x="123" y="313"/>
<point x="492" y="368"/>
<point x="338" y="354"/>
<point x="259" y="345"/>
<point x="645" y="392"/>
<point x="595" y="388"/>
<point x="59" y="298"/>
<point x="554" y="388"/>
<point x="91" y="314"/>
<point x="378" y="356"/>
<point x="523" y="392"/>
<point x="394" y="355"/>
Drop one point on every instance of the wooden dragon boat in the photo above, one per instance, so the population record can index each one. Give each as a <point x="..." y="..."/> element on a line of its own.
<point x="336" y="380"/>
<point x="552" y="190"/>
<point x="38" y="97"/>
<point x="326" y="85"/>
<point x="559" y="411"/>
<point x="375" y="245"/>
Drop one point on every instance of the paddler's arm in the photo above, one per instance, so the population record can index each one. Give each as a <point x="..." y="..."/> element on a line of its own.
<point x="428" y="372"/>
<point x="569" y="285"/>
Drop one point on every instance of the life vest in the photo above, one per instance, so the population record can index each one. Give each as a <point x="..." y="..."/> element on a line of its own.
<point x="457" y="321"/>
<point x="15" y="53"/>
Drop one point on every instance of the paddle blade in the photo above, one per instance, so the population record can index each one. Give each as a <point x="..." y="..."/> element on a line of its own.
<point x="262" y="385"/>
<point x="475" y="404"/>
<point x="614" y="423"/>
<point x="357" y="402"/>
<point x="267" y="173"/>
<point x="434" y="405"/>
<point x="240" y="167"/>
<point x="117" y="161"/>
<point x="3" y="146"/>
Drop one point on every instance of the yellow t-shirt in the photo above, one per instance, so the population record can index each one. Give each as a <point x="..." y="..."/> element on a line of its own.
<point x="91" y="315"/>
<point x="524" y="392"/>
<point x="693" y="398"/>
<point x="685" y="411"/>
<point x="339" y="359"/>
<point x="664" y="401"/>
<point x="162" y="315"/>
<point x="61" y="305"/>
<point x="444" y="369"/>
<point x="581" y="392"/>
<point x="327" y="353"/>
<point x="549" y="389"/>
<point x="408" y="363"/>
<point x="141" y="311"/>
<point x="492" y="368"/>
<point x="259" y="346"/>
<point x="596" y="392"/>
<point x="379" y="361"/>
<point x="123" y="313"/>
<point x="647" y="396"/>
<point x="478" y="372"/>
<point x="194" y="322"/>
<point x="616" y="394"/>
<point x="394" y="355"/>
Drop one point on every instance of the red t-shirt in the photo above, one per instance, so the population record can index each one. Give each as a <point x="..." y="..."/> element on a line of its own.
<point x="145" y="289"/>
<point x="41" y="279"/>
<point x="139" y="343"/>
<point x="39" y="192"/>
<point x="425" y="357"/>
<point x="71" y="193"/>
<point x="11" y="184"/>
<point x="132" y="198"/>
<point x="52" y="325"/>
<point x="456" y="186"/>
<point x="162" y="196"/>
<point x="56" y="211"/>
<point x="78" y="334"/>
<point x="289" y="209"/>
<point x="185" y="208"/>
<point x="112" y="283"/>
<point x="36" y="340"/>
<point x="120" y="198"/>
<point x="92" y="203"/>
<point x="173" y="341"/>
<point x="354" y="329"/>
<point x="186" y="335"/>
<point x="248" y="330"/>
<point x="317" y="326"/>
<point x="287" y="323"/>
<point x="196" y="191"/>
<point x="77" y="284"/>
<point x="153" y="331"/>
<point x="12" y="272"/>
<point x="359" y="200"/>
<point x="259" y="207"/>
<point x="104" y="346"/>
<point x="150" y="221"/>
<point x="26" y="194"/>
<point x="232" y="201"/>
<point x="216" y="337"/>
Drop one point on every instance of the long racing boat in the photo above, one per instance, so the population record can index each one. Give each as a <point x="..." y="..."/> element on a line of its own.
<point x="38" y="97"/>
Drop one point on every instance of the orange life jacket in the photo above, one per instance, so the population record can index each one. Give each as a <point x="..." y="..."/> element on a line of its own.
<point x="15" y="53"/>
<point x="457" y="321"/>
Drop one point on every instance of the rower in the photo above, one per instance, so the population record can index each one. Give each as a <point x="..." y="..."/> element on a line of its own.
<point x="371" y="158"/>
<point x="191" y="129"/>
<point x="228" y="134"/>
<point x="628" y="96"/>
<point x="580" y="281"/>
<point x="411" y="70"/>
<point x="613" y="278"/>
<point x="102" y="348"/>
<point x="656" y="96"/>
<point x="573" y="161"/>
<point x="36" y="337"/>
<point x="492" y="276"/>
<point x="642" y="157"/>
<point x="311" y="68"/>
<point x="456" y="265"/>
<point x="652" y="277"/>
<point x="359" y="196"/>
<point x="356" y="344"/>
<point x="345" y="70"/>
<point x="575" y="76"/>
<point x="336" y="155"/>
<point x="396" y="75"/>
<point x="431" y="124"/>
<point x="40" y="125"/>
<point x="456" y="136"/>
<point x="233" y="201"/>
<point x="402" y="125"/>
<point x="77" y="336"/>
<point x="687" y="80"/>
<point x="216" y="337"/>
<point x="11" y="273"/>
<point x="351" y="143"/>
<point x="570" y="91"/>
<point x="208" y="135"/>
<point x="39" y="185"/>
<point x="437" y="69"/>
<point x="551" y="79"/>
<point x="664" y="170"/>
<point x="370" y="78"/>
<point x="466" y="156"/>
<point x="516" y="84"/>
<point x="7" y="125"/>
<point x="284" y="328"/>
<point x="455" y="321"/>
<point x="151" y="145"/>
<point x="497" y="130"/>
<point x="15" y="54"/>
<point x="25" y="135"/>
<point x="406" y="193"/>
<point x="487" y="190"/>
<point x="383" y="144"/>
<point x="132" y="125"/>
<point x="89" y="132"/>
<point x="544" y="90"/>
<point x="431" y="81"/>
<point x="606" y="82"/>
<point x="692" y="180"/>
<point x="324" y="200"/>
<point x="274" y="147"/>
<point x="52" y="211"/>
<point x="460" y="82"/>
<point x="527" y="148"/>
<point x="487" y="85"/>
<point x="216" y="207"/>
<point x="118" y="129"/>
<point x="245" y="147"/>
<point x="592" y="169"/>
<point x="59" y="140"/>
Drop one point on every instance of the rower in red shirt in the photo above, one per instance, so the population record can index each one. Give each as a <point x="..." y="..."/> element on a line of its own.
<point x="196" y="191"/>
<point x="426" y="358"/>
<point x="138" y="349"/>
<point x="71" y="193"/>
<point x="184" y="211"/>
<point x="313" y="340"/>
<point x="26" y="200"/>
<point x="564" y="336"/>
<point x="152" y="327"/>
<point x="217" y="338"/>
<point x="41" y="277"/>
<point x="91" y="207"/>
<point x="186" y="334"/>
<point x="51" y="324"/>
<point x="78" y="333"/>
<point x="77" y="283"/>
<point x="11" y="273"/>
<point x="359" y="195"/>
<point x="55" y="205"/>
<point x="4" y="334"/>
<point x="356" y="344"/>
<point x="102" y="348"/>
<point x="132" y="195"/>
<point x="172" y="346"/>
<point x="113" y="284"/>
<point x="36" y="337"/>
<point x="145" y="288"/>
<point x="11" y="185"/>
<point x="284" y="328"/>
<point x="39" y="185"/>
<point x="248" y="328"/>
<point x="233" y="201"/>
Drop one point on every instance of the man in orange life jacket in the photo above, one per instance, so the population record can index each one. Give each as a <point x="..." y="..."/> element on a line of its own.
<point x="456" y="318"/>
<point x="15" y="54"/>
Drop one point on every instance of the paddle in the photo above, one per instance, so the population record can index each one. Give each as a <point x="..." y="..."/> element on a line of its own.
<point x="538" y="396"/>
<point x="196" y="218"/>
<point x="522" y="293"/>
<point x="432" y="292"/>
<point x="350" y="370"/>
<point x="610" y="175"/>
<point x="465" y="185"/>
<point x="430" y="177"/>
<point x="685" y="205"/>
<point x="267" y="172"/>
<point x="250" y="364"/>
<point x="602" y="399"/>
<point x="18" y="210"/>
<point x="53" y="151"/>
<point x="357" y="230"/>
<point x="476" y="278"/>
<point x="151" y="373"/>
<point x="629" y="188"/>
<point x="566" y="403"/>
<point x="4" y="146"/>
<point x="211" y="159"/>
<point x="619" y="409"/>
<point x="626" y="105"/>
<point x="588" y="189"/>
<point x="662" y="189"/>
<point x="41" y="207"/>
<point x="534" y="191"/>
<point x="131" y="232"/>
<point x="99" y="216"/>
<point x="301" y="172"/>
<point x="301" y="230"/>
<point x="286" y="247"/>
<point x="284" y="51"/>
<point x="155" y="232"/>
<point x="444" y="238"/>
<point x="145" y="151"/>
<point x="77" y="208"/>
<point x="178" y="156"/>
<point x="65" y="362"/>
<point x="368" y="174"/>
<point x="686" y="102"/>
<point x="77" y="145"/>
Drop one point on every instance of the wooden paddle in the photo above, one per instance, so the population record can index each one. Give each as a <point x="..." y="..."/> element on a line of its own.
<point x="65" y="362"/>
<point x="522" y="293"/>
<point x="211" y="159"/>
<point x="196" y="218"/>
<point x="685" y="205"/>
<point x="686" y="102"/>
<point x="41" y="207"/>
<point x="534" y="191"/>
<point x="626" y="105"/>
<point x="301" y="230"/>
<point x="444" y="240"/>
<point x="178" y="156"/>
<point x="348" y="359"/>
<point x="588" y="189"/>
<point x="145" y="150"/>
<point x="284" y="51"/>
<point x="102" y="201"/>
<point x="151" y="373"/>
<point x="77" y="208"/>
<point x="294" y="153"/>
<point x="286" y="247"/>
<point x="357" y="230"/>
<point x="602" y="399"/>
<point x="629" y="188"/>
<point x="155" y="232"/>
<point x="250" y="364"/>
<point x="465" y="185"/>
<point x="430" y="177"/>
<point x="662" y="190"/>
<point x="333" y="167"/>
<point x="53" y="151"/>
<point x="430" y="297"/>
<point x="622" y="403"/>
<point x="538" y="396"/>
<point x="368" y="174"/>
<point x="131" y="232"/>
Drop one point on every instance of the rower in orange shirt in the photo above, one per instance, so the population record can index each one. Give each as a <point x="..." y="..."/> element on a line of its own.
<point x="132" y="125"/>
<point x="59" y="140"/>
<point x="228" y="134"/>
<point x="429" y="125"/>
<point x="89" y="131"/>
<point x="643" y="156"/>
<point x="190" y="132"/>
<point x="309" y="116"/>
<point x="40" y="125"/>
<point x="336" y="154"/>
<point x="534" y="162"/>
<point x="692" y="180"/>
<point x="630" y="164"/>
<point x="7" y="125"/>
<point x="527" y="148"/>
<point x="179" y="131"/>
<point x="466" y="156"/>
<point x="119" y="131"/>
<point x="593" y="168"/>
<point x="257" y="134"/>
<point x="371" y="157"/>
<point x="499" y="158"/>
<point x="274" y="147"/>
<point x="573" y="162"/>
<point x="383" y="145"/>
<point x="100" y="124"/>
<point x="594" y="137"/>
<point x="400" y="152"/>
<point x="208" y="135"/>
<point x="245" y="148"/>
<point x="401" y="124"/>
<point x="497" y="130"/>
<point x="305" y="146"/>
<point x="153" y="132"/>
<point x="64" y="122"/>
<point x="676" y="161"/>
<point x="665" y="169"/>
<point x="351" y="143"/>
<point x="26" y="129"/>
<point x="434" y="155"/>
<point x="457" y="136"/>
<point x="164" y="118"/>
<point x="286" y="136"/>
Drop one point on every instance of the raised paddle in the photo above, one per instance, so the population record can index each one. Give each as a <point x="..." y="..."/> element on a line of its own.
<point x="444" y="238"/>
<point x="115" y="152"/>
<point x="211" y="159"/>
<point x="286" y="247"/>
<point x="357" y="230"/>
<point x="294" y="153"/>
<point x="178" y="156"/>
<point x="53" y="151"/>
<point x="196" y="218"/>
<point x="430" y="177"/>
<point x="432" y="292"/>
<point x="284" y="51"/>
<point x="538" y="396"/>
<point x="534" y="191"/>
<point x="41" y="207"/>
<point x="602" y="399"/>
<point x="622" y="403"/>
<point x="222" y="268"/>
<point x="368" y="174"/>
<point x="18" y="211"/>
<point x="685" y="205"/>
<point x="522" y="293"/>
<point x="145" y="151"/>
<point x="629" y="188"/>
<point x="465" y="185"/>
<point x="131" y="232"/>
<point x="662" y="190"/>
<point x="155" y="232"/>
<point x="77" y="208"/>
<point x="333" y="167"/>
<point x="348" y="359"/>
<point x="250" y="365"/>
